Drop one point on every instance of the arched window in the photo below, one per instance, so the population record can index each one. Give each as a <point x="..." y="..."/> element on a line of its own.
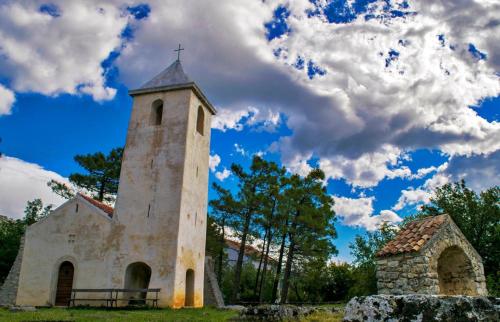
<point x="189" y="295"/>
<point x="200" y="120"/>
<point x="156" y="112"/>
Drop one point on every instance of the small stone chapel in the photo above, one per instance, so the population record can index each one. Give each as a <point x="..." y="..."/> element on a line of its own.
<point x="155" y="235"/>
<point x="430" y="256"/>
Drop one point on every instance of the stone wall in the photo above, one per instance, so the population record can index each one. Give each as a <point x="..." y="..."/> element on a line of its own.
<point x="405" y="274"/>
<point x="446" y="264"/>
<point x="8" y="291"/>
<point x="212" y="295"/>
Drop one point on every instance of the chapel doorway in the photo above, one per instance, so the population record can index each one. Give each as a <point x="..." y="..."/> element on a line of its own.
<point x="137" y="276"/>
<point x="64" y="283"/>
<point x="189" y="295"/>
<point x="455" y="273"/>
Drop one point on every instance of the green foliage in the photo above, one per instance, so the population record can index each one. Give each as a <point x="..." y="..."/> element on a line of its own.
<point x="35" y="211"/>
<point x="339" y="279"/>
<point x="10" y="237"/>
<point x="493" y="284"/>
<point x="281" y="209"/>
<point x="103" y="173"/>
<point x="213" y="245"/>
<point x="61" y="189"/>
<point x="11" y="232"/>
<point x="364" y="249"/>
<point x="478" y="217"/>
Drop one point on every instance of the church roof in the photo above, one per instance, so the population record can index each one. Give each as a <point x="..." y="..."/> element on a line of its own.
<point x="173" y="75"/>
<point x="414" y="236"/>
<point x="172" y="78"/>
<point x="107" y="209"/>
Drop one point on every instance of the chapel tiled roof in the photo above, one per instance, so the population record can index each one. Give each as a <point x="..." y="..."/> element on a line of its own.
<point x="107" y="209"/>
<point x="413" y="237"/>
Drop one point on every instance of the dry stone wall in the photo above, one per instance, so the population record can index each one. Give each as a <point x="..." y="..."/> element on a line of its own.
<point x="212" y="296"/>
<point x="8" y="291"/>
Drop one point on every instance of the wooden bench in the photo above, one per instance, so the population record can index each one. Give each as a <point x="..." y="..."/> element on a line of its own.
<point x="111" y="296"/>
<point x="138" y="301"/>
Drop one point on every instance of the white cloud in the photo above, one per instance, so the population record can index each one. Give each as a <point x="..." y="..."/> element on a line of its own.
<point x="227" y="119"/>
<point x="359" y="117"/>
<point x="368" y="169"/>
<point x="60" y="54"/>
<point x="358" y="212"/>
<point x="213" y="162"/>
<point x="240" y="149"/>
<point x="7" y="99"/>
<point x="363" y="111"/>
<point x="222" y="175"/>
<point x="231" y="119"/>
<point x="421" y="195"/>
<point x="21" y="182"/>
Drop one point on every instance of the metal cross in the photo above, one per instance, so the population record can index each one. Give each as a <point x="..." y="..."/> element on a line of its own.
<point x="178" y="50"/>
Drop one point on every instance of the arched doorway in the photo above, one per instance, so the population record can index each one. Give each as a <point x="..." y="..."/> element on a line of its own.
<point x="64" y="283"/>
<point x="137" y="276"/>
<point x="455" y="273"/>
<point x="189" y="295"/>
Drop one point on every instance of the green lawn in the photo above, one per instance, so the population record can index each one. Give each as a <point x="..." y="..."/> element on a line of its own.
<point x="61" y="314"/>
<point x="88" y="314"/>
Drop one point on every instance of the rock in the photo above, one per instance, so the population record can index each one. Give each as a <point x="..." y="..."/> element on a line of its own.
<point x="422" y="308"/>
<point x="270" y="312"/>
<point x="22" y="309"/>
<point x="238" y="308"/>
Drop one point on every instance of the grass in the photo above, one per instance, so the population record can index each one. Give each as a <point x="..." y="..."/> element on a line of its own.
<point x="94" y="314"/>
<point x="77" y="314"/>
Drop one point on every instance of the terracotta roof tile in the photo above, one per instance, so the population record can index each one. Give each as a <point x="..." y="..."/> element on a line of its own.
<point x="249" y="250"/>
<point x="413" y="237"/>
<point x="107" y="209"/>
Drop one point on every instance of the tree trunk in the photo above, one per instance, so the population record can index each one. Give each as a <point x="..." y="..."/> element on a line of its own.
<point x="278" y="267"/>
<point x="256" y="286"/>
<point x="221" y="252"/>
<point x="239" y="263"/>
<point x="100" y="197"/>
<point x="264" y="271"/>
<point x="289" y="259"/>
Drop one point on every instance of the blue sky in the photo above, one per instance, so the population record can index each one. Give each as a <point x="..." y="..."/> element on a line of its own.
<point x="388" y="102"/>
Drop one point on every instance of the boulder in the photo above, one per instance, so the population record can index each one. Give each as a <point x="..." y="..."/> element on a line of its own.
<point x="270" y="312"/>
<point x="422" y="308"/>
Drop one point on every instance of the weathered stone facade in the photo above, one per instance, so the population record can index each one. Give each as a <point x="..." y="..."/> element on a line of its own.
<point x="443" y="262"/>
<point x="155" y="235"/>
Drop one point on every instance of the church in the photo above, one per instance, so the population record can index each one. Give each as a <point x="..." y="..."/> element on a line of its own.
<point x="154" y="237"/>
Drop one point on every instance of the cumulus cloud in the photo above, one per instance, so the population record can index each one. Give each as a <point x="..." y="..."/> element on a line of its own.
<point x="7" y="99"/>
<point x="358" y="212"/>
<point x="479" y="171"/>
<point x="260" y="120"/>
<point x="223" y="175"/>
<point x="390" y="85"/>
<point x="20" y="182"/>
<point x="422" y="194"/>
<point x="213" y="162"/>
<point x="59" y="48"/>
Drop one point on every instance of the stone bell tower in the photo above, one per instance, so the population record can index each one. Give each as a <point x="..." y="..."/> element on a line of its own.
<point x="161" y="208"/>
